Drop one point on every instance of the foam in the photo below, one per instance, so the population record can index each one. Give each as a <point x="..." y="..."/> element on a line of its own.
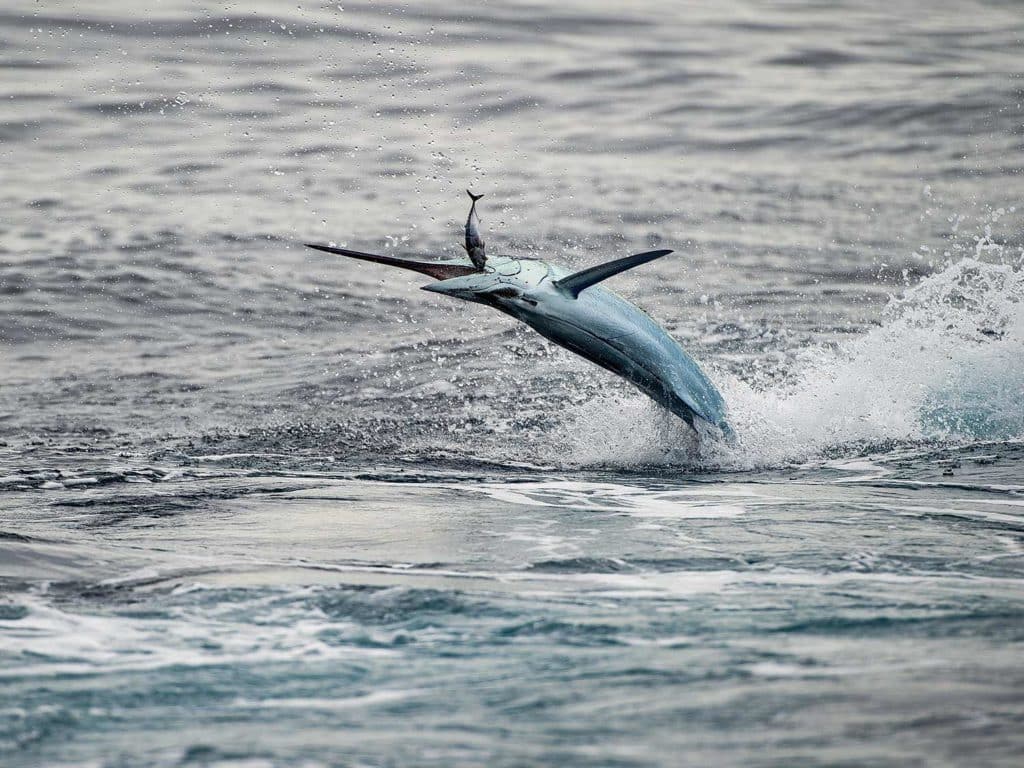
<point x="50" y="642"/>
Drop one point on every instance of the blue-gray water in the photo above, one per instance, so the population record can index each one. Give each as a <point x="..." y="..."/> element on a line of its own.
<point x="264" y="507"/>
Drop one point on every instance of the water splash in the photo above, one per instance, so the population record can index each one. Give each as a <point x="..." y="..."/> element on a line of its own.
<point x="945" y="364"/>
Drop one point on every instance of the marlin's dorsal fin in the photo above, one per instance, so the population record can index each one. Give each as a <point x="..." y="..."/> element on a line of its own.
<point x="579" y="281"/>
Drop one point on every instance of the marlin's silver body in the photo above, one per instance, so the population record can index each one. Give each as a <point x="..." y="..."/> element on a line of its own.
<point x="599" y="325"/>
<point x="574" y="311"/>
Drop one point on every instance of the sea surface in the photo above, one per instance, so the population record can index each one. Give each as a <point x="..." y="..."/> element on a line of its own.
<point x="263" y="506"/>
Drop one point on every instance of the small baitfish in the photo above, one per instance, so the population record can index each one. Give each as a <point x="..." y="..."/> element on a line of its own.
<point x="474" y="243"/>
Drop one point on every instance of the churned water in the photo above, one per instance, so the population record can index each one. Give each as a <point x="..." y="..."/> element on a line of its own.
<point x="264" y="507"/>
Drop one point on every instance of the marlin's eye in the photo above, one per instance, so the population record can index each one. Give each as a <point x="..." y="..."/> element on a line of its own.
<point x="511" y="292"/>
<point x="506" y="293"/>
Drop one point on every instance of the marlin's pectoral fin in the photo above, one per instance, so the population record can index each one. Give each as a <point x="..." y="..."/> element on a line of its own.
<point x="438" y="270"/>
<point x="579" y="281"/>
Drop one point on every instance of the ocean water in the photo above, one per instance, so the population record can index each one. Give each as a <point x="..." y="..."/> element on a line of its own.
<point x="261" y="506"/>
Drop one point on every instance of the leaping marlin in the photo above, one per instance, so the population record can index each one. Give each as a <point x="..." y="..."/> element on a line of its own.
<point x="575" y="312"/>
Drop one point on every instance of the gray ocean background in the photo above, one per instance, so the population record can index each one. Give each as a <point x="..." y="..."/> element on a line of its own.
<point x="261" y="506"/>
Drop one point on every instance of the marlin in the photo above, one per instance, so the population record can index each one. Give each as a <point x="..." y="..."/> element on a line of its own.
<point x="574" y="311"/>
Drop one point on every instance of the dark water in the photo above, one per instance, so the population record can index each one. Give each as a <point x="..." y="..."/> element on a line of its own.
<point x="259" y="506"/>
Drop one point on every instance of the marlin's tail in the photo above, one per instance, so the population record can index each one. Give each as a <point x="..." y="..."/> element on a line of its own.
<point x="473" y="197"/>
